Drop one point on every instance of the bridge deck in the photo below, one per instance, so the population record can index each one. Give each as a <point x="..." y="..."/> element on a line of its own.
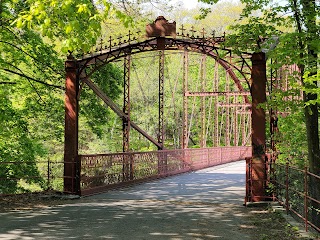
<point x="220" y="184"/>
<point x="200" y="205"/>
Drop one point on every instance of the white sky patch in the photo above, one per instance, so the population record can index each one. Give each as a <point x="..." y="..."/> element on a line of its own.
<point x="188" y="4"/>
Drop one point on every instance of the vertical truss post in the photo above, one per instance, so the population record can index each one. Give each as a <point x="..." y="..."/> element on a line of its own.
<point x="203" y="101"/>
<point x="235" y="124"/>
<point x="216" y="139"/>
<point x="227" y="136"/>
<point x="185" y="136"/>
<point x="243" y="128"/>
<point x="71" y="164"/>
<point x="127" y="164"/>
<point x="161" y="99"/>
<point x="126" y="104"/>
<point x="258" y="91"/>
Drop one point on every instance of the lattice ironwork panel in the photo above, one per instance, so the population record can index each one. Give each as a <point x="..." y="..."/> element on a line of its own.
<point x="101" y="171"/>
<point x="145" y="165"/>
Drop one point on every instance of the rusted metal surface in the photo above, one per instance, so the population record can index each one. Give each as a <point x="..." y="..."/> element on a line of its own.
<point x="257" y="174"/>
<point x="161" y="27"/>
<point x="100" y="172"/>
<point x="207" y="157"/>
<point x="71" y="178"/>
<point x="208" y="46"/>
<point x="216" y="94"/>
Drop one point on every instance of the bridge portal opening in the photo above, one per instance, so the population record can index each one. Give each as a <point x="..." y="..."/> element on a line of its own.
<point x="205" y="109"/>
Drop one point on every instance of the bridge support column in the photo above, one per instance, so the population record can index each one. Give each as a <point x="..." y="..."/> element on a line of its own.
<point x="256" y="174"/>
<point x="71" y="164"/>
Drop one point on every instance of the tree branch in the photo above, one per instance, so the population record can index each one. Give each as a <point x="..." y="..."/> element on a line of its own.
<point x="8" y="83"/>
<point x="32" y="79"/>
<point x="35" y="59"/>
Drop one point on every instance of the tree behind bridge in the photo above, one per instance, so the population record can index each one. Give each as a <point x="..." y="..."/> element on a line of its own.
<point x="298" y="44"/>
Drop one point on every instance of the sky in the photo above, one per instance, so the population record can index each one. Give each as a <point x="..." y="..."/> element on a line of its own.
<point x="190" y="3"/>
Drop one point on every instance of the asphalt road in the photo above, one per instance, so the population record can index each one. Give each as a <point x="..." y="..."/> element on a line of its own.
<point x="205" y="204"/>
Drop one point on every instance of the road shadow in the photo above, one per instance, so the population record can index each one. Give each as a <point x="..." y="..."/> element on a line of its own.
<point x="206" y="204"/>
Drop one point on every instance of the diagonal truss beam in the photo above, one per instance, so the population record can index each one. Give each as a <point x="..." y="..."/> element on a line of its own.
<point x="118" y="111"/>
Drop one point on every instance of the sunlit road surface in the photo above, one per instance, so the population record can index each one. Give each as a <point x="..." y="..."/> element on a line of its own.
<point x="205" y="204"/>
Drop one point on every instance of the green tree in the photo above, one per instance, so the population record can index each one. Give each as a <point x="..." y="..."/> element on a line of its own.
<point x="32" y="80"/>
<point x="18" y="150"/>
<point x="30" y="74"/>
<point x="72" y="24"/>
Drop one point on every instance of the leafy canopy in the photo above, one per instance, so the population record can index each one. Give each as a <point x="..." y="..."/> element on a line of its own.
<point x="75" y="24"/>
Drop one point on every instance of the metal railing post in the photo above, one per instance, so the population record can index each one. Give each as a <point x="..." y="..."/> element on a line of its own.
<point x="287" y="188"/>
<point x="306" y="197"/>
<point x="48" y="175"/>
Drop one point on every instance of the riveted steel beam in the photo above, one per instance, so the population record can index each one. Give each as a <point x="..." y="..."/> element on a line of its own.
<point x="258" y="162"/>
<point x="71" y="164"/>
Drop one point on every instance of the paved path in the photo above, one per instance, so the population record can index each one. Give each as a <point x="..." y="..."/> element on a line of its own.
<point x="205" y="204"/>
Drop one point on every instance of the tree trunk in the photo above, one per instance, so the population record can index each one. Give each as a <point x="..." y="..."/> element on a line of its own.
<point x="311" y="117"/>
<point x="311" y="112"/>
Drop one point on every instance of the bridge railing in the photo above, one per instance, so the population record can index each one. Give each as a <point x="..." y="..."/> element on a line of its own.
<point x="295" y="189"/>
<point x="102" y="171"/>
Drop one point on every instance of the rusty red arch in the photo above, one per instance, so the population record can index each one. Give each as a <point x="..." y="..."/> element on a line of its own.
<point x="201" y="46"/>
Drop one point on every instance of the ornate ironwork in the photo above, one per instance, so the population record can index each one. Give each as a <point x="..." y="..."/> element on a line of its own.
<point x="209" y="47"/>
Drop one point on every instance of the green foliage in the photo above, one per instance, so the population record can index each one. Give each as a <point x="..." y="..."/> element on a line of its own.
<point x="311" y="86"/>
<point x="17" y="149"/>
<point x="110" y="80"/>
<point x="76" y="24"/>
<point x="250" y="37"/>
<point x="291" y="140"/>
<point x="32" y="80"/>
